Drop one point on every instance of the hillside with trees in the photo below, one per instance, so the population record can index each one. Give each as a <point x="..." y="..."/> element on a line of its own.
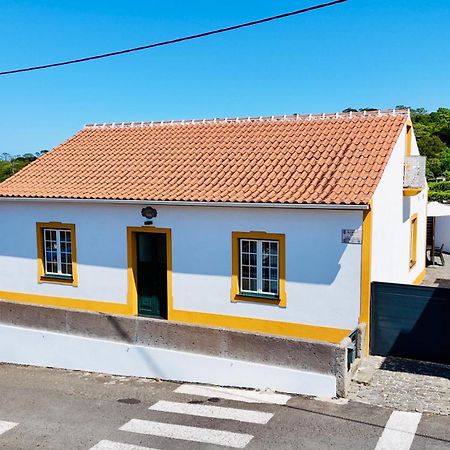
<point x="9" y="165"/>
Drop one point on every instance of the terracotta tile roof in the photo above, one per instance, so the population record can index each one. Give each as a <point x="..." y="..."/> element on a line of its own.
<point x="294" y="159"/>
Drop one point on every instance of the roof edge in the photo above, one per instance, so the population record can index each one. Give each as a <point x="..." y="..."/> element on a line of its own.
<point x="290" y="117"/>
<point x="340" y="206"/>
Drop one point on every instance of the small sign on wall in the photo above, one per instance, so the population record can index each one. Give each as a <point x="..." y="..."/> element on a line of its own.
<point x="351" y="236"/>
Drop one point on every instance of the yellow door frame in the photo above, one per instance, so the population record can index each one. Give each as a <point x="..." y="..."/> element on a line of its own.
<point x="132" y="265"/>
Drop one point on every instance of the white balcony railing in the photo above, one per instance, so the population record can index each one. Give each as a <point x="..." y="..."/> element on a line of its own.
<point x="414" y="172"/>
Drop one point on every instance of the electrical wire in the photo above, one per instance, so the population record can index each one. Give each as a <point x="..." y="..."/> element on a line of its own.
<point x="175" y="41"/>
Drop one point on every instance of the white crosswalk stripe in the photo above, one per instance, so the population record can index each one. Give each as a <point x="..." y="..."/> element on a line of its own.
<point x="6" y="426"/>
<point x="188" y="433"/>
<point x="111" y="445"/>
<point x="399" y="431"/>
<point x="240" y="395"/>
<point x="216" y="412"/>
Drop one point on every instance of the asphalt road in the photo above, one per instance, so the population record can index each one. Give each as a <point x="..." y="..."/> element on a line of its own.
<point x="56" y="409"/>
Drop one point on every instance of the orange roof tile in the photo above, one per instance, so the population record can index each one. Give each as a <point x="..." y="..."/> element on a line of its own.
<point x="294" y="159"/>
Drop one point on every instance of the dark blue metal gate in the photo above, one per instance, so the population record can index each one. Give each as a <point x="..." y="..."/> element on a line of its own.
<point x="410" y="322"/>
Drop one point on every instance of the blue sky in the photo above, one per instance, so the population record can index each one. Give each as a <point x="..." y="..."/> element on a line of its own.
<point x="362" y="53"/>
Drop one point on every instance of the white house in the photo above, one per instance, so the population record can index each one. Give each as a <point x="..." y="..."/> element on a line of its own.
<point x="267" y="224"/>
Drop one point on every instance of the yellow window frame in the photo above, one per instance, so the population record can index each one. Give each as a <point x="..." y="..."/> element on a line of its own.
<point x="236" y="295"/>
<point x="42" y="276"/>
<point x="413" y="242"/>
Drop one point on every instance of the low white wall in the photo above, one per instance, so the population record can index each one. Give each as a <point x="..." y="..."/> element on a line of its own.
<point x="442" y="232"/>
<point x="47" y="349"/>
<point x="391" y="223"/>
<point x="323" y="275"/>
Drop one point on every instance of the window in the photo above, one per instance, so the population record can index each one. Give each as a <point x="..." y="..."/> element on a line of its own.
<point x="258" y="268"/>
<point x="413" y="242"/>
<point x="56" y="253"/>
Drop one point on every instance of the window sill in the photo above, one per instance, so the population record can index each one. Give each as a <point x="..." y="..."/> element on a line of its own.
<point x="58" y="280"/>
<point x="265" y="299"/>
<point x="411" y="192"/>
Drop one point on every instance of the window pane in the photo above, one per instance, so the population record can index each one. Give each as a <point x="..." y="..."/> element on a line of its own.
<point x="245" y="284"/>
<point x="253" y="285"/>
<point x="274" y="287"/>
<point x="245" y="258"/>
<point x="245" y="271"/>
<point x="245" y="245"/>
<point x="58" y="251"/>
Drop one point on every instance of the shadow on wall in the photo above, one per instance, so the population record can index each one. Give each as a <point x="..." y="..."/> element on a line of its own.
<point x="124" y="333"/>
<point x="406" y="209"/>
<point x="411" y="322"/>
<point x="313" y="256"/>
<point x="429" y="369"/>
<point x="316" y="260"/>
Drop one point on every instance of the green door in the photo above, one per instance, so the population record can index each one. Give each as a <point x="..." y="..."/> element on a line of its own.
<point x="152" y="274"/>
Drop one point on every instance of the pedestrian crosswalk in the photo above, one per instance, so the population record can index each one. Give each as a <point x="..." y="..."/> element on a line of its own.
<point x="110" y="445"/>
<point x="240" y="395"/>
<point x="399" y="431"/>
<point x="188" y="433"/>
<point x="212" y="436"/>
<point x="6" y="426"/>
<point x="216" y="412"/>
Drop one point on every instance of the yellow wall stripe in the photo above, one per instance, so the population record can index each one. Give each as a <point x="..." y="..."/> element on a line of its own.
<point x="71" y="303"/>
<point x="366" y="275"/>
<point x="304" y="331"/>
<point x="420" y="277"/>
<point x="296" y="330"/>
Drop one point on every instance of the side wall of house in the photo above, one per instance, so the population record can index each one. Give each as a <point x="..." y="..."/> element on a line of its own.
<point x="442" y="231"/>
<point x="322" y="274"/>
<point x="392" y="212"/>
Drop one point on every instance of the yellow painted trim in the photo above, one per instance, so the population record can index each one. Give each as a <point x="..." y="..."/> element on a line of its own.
<point x="70" y="303"/>
<point x="411" y="192"/>
<point x="413" y="242"/>
<point x="132" y="266"/>
<point x="42" y="277"/>
<point x="366" y="276"/>
<point x="296" y="330"/>
<point x="281" y="301"/>
<point x="408" y="144"/>
<point x="420" y="277"/>
<point x="326" y="334"/>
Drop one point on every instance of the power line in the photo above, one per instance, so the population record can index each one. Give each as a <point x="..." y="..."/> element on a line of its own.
<point x="175" y="41"/>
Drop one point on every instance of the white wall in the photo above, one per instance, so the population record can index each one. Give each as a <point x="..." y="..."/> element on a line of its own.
<point x="391" y="222"/>
<point x="442" y="232"/>
<point x="47" y="349"/>
<point x="323" y="275"/>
